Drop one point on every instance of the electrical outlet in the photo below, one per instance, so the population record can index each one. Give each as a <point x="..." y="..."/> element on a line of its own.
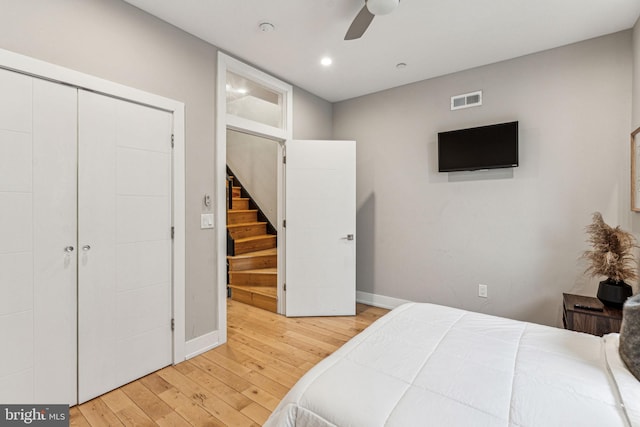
<point x="482" y="291"/>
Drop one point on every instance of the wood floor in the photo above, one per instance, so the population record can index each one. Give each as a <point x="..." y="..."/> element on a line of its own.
<point x="237" y="384"/>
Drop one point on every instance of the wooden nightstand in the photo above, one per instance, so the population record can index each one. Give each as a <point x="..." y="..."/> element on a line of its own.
<point x="592" y="322"/>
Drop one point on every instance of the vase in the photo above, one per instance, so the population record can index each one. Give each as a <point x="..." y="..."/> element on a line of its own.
<point x="613" y="293"/>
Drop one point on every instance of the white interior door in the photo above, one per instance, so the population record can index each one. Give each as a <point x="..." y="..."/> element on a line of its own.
<point x="124" y="294"/>
<point x="320" y="210"/>
<point x="37" y="223"/>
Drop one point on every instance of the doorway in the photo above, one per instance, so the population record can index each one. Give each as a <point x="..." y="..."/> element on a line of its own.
<point x="252" y="213"/>
<point x="234" y="113"/>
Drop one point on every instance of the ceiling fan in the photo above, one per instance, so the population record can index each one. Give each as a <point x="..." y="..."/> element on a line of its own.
<point x="370" y="9"/>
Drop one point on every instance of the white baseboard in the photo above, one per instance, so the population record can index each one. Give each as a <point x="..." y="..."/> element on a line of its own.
<point x="379" y="300"/>
<point x="201" y="344"/>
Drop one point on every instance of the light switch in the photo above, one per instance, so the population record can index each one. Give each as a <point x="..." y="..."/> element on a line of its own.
<point x="206" y="221"/>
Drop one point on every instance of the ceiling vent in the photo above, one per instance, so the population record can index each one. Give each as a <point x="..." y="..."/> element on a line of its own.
<point x="466" y="100"/>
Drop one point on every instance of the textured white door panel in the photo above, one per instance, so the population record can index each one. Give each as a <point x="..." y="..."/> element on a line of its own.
<point x="321" y="214"/>
<point x="55" y="228"/>
<point x="125" y="220"/>
<point x="37" y="275"/>
<point x="15" y="102"/>
<point x="15" y="161"/>
<point x="85" y="247"/>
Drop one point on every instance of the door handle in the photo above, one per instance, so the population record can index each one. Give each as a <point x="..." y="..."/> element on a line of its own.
<point x="86" y="248"/>
<point x="348" y="237"/>
<point x="69" y="249"/>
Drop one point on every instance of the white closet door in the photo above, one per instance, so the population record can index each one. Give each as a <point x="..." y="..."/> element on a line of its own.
<point x="124" y="213"/>
<point x="37" y="223"/>
<point x="16" y="239"/>
<point x="55" y="234"/>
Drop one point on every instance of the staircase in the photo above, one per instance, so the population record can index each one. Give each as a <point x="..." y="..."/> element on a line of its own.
<point x="252" y="257"/>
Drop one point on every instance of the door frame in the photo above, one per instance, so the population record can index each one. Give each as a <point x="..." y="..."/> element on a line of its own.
<point x="26" y="65"/>
<point x="226" y="121"/>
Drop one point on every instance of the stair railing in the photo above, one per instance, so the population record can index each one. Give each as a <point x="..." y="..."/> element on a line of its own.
<point x="231" y="247"/>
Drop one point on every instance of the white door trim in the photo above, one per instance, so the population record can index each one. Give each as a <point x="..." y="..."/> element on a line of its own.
<point x="223" y="122"/>
<point x="44" y="70"/>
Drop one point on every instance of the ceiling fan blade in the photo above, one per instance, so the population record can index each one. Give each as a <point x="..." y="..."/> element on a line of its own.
<point x="359" y="24"/>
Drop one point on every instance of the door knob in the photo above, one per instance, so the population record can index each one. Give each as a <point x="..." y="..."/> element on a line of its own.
<point x="86" y="248"/>
<point x="348" y="237"/>
<point x="69" y="249"/>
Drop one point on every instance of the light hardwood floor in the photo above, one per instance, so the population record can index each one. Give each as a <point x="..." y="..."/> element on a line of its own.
<point x="237" y="384"/>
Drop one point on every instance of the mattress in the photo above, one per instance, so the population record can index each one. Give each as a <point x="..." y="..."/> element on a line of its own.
<point x="429" y="365"/>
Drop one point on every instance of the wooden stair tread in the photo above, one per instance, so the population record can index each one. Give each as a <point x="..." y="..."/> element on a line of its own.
<point x="246" y="224"/>
<point x="264" y="252"/>
<point x="237" y="211"/>
<point x="267" y="291"/>
<point x="270" y="270"/>
<point x="254" y="238"/>
<point x="252" y="272"/>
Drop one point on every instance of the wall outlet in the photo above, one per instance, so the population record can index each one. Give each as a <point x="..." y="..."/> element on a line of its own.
<point x="482" y="291"/>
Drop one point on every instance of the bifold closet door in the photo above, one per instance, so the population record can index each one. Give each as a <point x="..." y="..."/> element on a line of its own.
<point x="124" y="239"/>
<point x="38" y="140"/>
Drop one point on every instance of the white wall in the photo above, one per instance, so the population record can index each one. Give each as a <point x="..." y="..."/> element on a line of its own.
<point x="424" y="238"/>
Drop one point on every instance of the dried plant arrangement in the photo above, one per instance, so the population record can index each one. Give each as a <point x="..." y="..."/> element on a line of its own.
<point x="612" y="253"/>
<point x="611" y="256"/>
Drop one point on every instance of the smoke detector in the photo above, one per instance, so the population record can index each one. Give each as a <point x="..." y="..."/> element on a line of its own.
<point x="266" y="27"/>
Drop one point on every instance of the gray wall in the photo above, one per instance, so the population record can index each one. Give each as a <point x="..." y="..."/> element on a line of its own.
<point x="254" y="161"/>
<point x="424" y="236"/>
<point x="635" y="121"/>
<point x="635" y="112"/>
<point x="420" y="236"/>
<point x="312" y="116"/>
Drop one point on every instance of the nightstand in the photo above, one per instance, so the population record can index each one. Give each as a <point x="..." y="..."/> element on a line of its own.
<point x="592" y="322"/>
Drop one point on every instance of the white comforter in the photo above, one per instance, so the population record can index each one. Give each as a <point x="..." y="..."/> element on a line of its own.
<point x="429" y="365"/>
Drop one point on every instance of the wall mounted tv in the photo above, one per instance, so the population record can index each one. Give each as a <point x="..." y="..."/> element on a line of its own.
<point x="484" y="147"/>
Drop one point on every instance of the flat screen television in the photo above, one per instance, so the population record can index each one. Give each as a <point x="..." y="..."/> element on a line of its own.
<point x="484" y="147"/>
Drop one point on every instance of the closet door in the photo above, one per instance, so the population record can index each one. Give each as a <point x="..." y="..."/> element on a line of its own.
<point x="55" y="170"/>
<point x="37" y="240"/>
<point x="124" y="214"/>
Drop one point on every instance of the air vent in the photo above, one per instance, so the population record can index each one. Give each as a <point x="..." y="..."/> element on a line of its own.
<point x="466" y="100"/>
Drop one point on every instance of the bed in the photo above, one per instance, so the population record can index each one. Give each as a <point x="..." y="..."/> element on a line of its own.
<point x="429" y="365"/>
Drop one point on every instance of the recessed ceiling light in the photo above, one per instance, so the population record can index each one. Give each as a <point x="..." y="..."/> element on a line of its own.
<point x="326" y="61"/>
<point x="242" y="91"/>
<point x="401" y="65"/>
<point x="266" y="27"/>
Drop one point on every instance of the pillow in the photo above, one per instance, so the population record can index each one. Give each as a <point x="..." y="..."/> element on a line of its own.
<point x="630" y="335"/>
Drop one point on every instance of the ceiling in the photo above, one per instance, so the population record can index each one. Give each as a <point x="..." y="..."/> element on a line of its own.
<point x="432" y="37"/>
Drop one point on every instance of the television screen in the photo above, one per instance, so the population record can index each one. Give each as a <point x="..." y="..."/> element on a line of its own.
<point x="485" y="147"/>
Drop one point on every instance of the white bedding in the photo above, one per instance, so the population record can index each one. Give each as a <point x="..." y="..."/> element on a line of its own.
<point x="429" y="365"/>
